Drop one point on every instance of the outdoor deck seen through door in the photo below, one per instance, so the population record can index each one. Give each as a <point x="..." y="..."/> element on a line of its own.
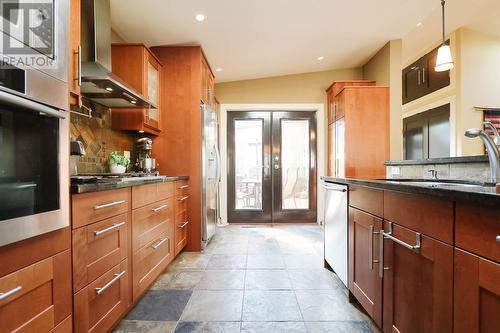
<point x="272" y="166"/>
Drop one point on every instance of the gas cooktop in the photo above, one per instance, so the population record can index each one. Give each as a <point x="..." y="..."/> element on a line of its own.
<point x="115" y="177"/>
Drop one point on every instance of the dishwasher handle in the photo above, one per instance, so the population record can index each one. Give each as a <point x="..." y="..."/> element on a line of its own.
<point x="330" y="188"/>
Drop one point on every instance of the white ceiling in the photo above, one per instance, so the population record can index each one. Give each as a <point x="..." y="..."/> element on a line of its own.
<point x="260" y="38"/>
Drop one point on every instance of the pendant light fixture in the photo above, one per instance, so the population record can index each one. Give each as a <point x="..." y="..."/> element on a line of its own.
<point x="444" y="60"/>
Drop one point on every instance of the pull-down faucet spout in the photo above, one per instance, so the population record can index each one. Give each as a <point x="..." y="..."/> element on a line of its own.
<point x="491" y="148"/>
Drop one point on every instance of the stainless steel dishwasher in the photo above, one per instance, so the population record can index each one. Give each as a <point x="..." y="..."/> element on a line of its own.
<point x="336" y="227"/>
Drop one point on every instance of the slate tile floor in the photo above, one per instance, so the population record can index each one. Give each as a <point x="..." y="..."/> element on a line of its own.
<point x="250" y="279"/>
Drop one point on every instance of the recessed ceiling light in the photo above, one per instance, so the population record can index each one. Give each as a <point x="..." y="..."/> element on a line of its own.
<point x="419" y="24"/>
<point x="321" y="58"/>
<point x="199" y="17"/>
<point x="218" y="69"/>
<point x="133" y="102"/>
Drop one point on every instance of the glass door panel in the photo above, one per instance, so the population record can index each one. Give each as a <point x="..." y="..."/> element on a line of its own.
<point x="248" y="164"/>
<point x="295" y="164"/>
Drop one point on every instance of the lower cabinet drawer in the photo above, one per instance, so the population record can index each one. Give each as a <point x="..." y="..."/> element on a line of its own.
<point x="99" y="247"/>
<point x="102" y="303"/>
<point x="149" y="262"/>
<point x="180" y="235"/>
<point x="149" y="222"/>
<point x="38" y="297"/>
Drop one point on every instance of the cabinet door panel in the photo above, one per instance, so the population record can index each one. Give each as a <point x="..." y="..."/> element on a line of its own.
<point x="477" y="294"/>
<point x="364" y="281"/>
<point x="418" y="284"/>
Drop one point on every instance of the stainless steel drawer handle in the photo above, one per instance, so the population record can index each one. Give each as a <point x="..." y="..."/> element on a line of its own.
<point x="184" y="198"/>
<point x="402" y="243"/>
<point x="381" y="255"/>
<point x="163" y="240"/>
<point x="329" y="188"/>
<point x="109" y="204"/>
<point x="10" y="293"/>
<point x="498" y="239"/>
<point x="159" y="208"/>
<point x="183" y="187"/>
<point x="117" y="277"/>
<point x="183" y="225"/>
<point x="114" y="226"/>
<point x="370" y="247"/>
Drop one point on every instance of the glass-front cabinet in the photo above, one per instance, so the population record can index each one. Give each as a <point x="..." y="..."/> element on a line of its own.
<point x="138" y="67"/>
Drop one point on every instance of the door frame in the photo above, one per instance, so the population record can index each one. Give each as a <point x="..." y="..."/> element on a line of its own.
<point x="321" y="153"/>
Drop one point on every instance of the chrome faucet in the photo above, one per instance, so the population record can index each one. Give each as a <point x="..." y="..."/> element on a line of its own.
<point x="493" y="151"/>
<point x="496" y="136"/>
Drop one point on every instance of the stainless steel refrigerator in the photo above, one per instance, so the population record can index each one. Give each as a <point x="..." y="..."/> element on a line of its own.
<point x="210" y="174"/>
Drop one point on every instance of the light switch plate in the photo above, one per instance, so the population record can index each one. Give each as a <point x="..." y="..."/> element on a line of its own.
<point x="395" y="171"/>
<point x="126" y="153"/>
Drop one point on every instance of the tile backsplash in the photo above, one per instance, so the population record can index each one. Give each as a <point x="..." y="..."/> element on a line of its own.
<point x="99" y="140"/>
<point x="479" y="171"/>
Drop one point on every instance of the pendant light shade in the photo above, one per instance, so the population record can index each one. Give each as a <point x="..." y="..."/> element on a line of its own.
<point x="444" y="60"/>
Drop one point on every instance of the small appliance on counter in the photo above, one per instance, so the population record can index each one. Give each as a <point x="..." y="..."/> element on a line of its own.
<point x="145" y="163"/>
<point x="76" y="150"/>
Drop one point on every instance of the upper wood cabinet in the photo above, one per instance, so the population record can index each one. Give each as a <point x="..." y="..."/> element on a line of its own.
<point x="420" y="78"/>
<point x="74" y="69"/>
<point x="334" y="89"/>
<point x="207" y="84"/>
<point x="138" y="67"/>
<point x="360" y="122"/>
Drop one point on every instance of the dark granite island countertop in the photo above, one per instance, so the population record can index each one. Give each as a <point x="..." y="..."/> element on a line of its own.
<point x="483" y="195"/>
<point x="112" y="185"/>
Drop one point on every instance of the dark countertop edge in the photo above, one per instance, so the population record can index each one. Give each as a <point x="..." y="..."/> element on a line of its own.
<point x="99" y="187"/>
<point x="442" y="160"/>
<point x="456" y="193"/>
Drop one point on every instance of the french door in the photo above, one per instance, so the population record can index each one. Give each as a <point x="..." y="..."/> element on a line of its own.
<point x="272" y="166"/>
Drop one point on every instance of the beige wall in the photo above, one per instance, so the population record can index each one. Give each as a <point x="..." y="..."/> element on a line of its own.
<point x="298" y="88"/>
<point x="115" y="38"/>
<point x="385" y="68"/>
<point x="378" y="67"/>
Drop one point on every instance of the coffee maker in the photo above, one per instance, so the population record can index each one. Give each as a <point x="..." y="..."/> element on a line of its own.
<point x="145" y="163"/>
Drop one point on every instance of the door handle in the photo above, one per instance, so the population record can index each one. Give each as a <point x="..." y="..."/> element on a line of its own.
<point x="10" y="292"/>
<point x="110" y="204"/>
<point x="114" y="226"/>
<point x="381" y="255"/>
<point x="370" y="247"/>
<point x="403" y="243"/>
<point x="276" y="167"/>
<point x="100" y="290"/>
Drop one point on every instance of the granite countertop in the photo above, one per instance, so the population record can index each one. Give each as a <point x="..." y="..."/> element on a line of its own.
<point x="113" y="185"/>
<point x="441" y="160"/>
<point x="484" y="195"/>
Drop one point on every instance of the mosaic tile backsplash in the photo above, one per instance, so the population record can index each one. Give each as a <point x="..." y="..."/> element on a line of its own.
<point x="98" y="139"/>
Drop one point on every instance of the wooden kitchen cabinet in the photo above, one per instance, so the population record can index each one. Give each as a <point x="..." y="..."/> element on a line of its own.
<point x="358" y="107"/>
<point x="100" y="305"/>
<point x="477" y="294"/>
<point x="420" y="78"/>
<point x="417" y="283"/>
<point x="364" y="280"/>
<point x="207" y="85"/>
<point x="139" y="67"/>
<point x="74" y="62"/>
<point x="40" y="295"/>
<point x="181" y="215"/>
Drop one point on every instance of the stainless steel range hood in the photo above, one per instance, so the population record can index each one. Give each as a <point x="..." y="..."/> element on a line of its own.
<point x="99" y="84"/>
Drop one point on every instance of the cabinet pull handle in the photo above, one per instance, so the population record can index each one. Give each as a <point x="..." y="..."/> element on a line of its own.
<point x="78" y="52"/>
<point x="183" y="187"/>
<point x="498" y="239"/>
<point x="402" y="243"/>
<point x="381" y="255"/>
<point x="183" y="225"/>
<point x="100" y="290"/>
<point x="159" y="208"/>
<point x="370" y="247"/>
<point x="423" y="75"/>
<point x="162" y="240"/>
<point x="10" y="292"/>
<point x="109" y="204"/>
<point x="419" y="79"/>
<point x="184" y="198"/>
<point x="114" y="226"/>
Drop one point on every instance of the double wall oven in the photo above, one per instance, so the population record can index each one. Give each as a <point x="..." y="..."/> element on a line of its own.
<point x="34" y="139"/>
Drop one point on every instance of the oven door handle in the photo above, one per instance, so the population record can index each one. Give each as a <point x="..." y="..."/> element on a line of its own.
<point x="30" y="105"/>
